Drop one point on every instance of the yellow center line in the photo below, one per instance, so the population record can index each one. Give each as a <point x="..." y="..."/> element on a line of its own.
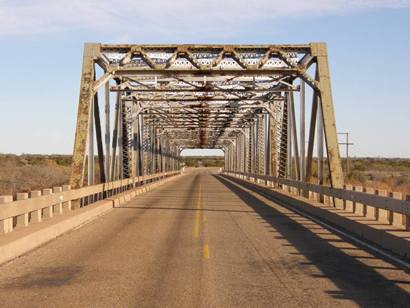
<point x="206" y="251"/>
<point x="197" y="227"/>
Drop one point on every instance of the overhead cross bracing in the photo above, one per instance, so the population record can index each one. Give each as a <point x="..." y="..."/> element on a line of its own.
<point x="210" y="91"/>
<point x="172" y="97"/>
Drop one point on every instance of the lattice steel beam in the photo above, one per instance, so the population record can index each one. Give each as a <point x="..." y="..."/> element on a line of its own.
<point x="227" y="96"/>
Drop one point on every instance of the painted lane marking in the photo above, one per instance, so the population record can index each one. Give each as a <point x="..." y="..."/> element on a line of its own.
<point x="197" y="227"/>
<point x="206" y="251"/>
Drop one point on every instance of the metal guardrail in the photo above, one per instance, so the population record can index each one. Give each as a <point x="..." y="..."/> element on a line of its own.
<point x="356" y="197"/>
<point x="38" y="205"/>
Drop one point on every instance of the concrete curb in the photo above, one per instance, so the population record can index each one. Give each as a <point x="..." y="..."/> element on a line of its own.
<point x="21" y="241"/>
<point x="122" y="198"/>
<point x="384" y="236"/>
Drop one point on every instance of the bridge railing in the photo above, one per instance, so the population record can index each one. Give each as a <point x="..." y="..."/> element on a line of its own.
<point x="39" y="205"/>
<point x="365" y="201"/>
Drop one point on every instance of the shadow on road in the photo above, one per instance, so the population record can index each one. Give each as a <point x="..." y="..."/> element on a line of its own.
<point x="356" y="281"/>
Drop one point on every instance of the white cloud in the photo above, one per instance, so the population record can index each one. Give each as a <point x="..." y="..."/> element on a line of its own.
<point x="133" y="16"/>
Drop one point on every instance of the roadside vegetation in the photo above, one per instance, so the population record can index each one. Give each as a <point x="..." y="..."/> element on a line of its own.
<point x="392" y="174"/>
<point x="203" y="161"/>
<point x="21" y="173"/>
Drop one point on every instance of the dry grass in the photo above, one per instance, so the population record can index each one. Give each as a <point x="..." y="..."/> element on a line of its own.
<point x="30" y="172"/>
<point x="391" y="174"/>
<point x="203" y="161"/>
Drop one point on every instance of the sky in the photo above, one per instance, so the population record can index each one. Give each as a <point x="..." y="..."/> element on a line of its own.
<point x="41" y="44"/>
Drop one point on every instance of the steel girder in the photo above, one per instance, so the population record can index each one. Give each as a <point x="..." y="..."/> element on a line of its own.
<point x="234" y="97"/>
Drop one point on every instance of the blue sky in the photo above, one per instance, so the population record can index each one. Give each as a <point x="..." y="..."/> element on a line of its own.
<point x="41" y="48"/>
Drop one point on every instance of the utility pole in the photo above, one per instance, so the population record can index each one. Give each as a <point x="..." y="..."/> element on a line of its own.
<point x="346" y="143"/>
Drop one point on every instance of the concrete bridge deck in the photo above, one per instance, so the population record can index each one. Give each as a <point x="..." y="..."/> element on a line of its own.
<point x="201" y="240"/>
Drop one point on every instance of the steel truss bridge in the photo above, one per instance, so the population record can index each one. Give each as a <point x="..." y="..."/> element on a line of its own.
<point x="276" y="228"/>
<point x="238" y="98"/>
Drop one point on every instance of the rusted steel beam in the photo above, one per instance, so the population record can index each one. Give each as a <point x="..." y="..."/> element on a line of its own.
<point x="203" y="90"/>
<point x="137" y="71"/>
<point x="313" y="117"/>
<point x="98" y="135"/>
<point x="128" y="47"/>
<point x="319" y="50"/>
<point x="206" y="96"/>
<point x="91" y="51"/>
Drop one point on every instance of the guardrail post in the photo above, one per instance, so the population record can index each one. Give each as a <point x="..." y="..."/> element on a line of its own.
<point x="67" y="204"/>
<point x="36" y="216"/>
<point x="406" y="218"/>
<point x="58" y="208"/>
<point x="384" y="215"/>
<point x="6" y="225"/>
<point x="398" y="220"/>
<point x="327" y="200"/>
<point x="22" y="220"/>
<point x="315" y="196"/>
<point x="358" y="207"/>
<point x="310" y="195"/>
<point x="78" y="203"/>
<point x="371" y="211"/>
<point x="48" y="211"/>
<point x="318" y="197"/>
<point x="348" y="205"/>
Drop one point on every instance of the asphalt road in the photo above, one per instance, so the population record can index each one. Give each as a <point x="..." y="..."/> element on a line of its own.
<point x="202" y="241"/>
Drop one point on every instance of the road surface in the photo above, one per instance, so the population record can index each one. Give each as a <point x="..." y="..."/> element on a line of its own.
<point x="201" y="241"/>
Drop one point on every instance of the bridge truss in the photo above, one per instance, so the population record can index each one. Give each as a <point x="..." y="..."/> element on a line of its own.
<point x="238" y="98"/>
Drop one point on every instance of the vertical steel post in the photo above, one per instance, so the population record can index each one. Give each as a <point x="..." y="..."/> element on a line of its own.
<point x="281" y="144"/>
<point x="161" y="161"/>
<point x="320" y="152"/>
<point x="91" y="146"/>
<point x="83" y="116"/>
<point x="289" y="141"/>
<point x="173" y="157"/>
<point x="120" y="140"/>
<point x="98" y="135"/>
<point x="152" y="152"/>
<point x="319" y="51"/>
<point x="249" y="150"/>
<point x="244" y="156"/>
<point x="115" y="139"/>
<point x="273" y="148"/>
<point x="135" y="145"/>
<point x="141" y="144"/>
<point x="233" y="155"/>
<point x="230" y="157"/>
<point x="302" y="131"/>
<point x="255" y="147"/>
<point x="237" y="154"/>
<point x="268" y="145"/>
<point x="294" y="135"/>
<point x="240" y="151"/>
<point x="107" y="131"/>
<point x="313" y="117"/>
<point x="226" y="160"/>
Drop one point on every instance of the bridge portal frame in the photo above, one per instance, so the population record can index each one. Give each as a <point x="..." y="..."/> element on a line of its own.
<point x="136" y="64"/>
